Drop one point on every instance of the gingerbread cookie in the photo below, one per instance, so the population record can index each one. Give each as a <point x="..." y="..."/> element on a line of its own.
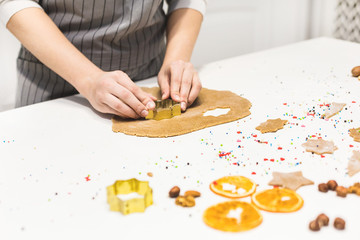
<point x="271" y="125"/>
<point x="319" y="146"/>
<point x="291" y="180"/>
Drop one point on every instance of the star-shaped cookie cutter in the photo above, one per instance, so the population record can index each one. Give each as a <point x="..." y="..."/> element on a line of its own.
<point x="130" y="205"/>
<point x="164" y="109"/>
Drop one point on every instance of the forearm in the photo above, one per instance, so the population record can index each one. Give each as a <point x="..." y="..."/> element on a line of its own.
<point x="37" y="32"/>
<point x="182" y="31"/>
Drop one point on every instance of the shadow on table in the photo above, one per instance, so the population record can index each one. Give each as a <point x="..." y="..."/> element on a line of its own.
<point x="78" y="99"/>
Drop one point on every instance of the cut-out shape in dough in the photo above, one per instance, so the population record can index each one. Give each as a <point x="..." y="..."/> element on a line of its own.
<point x="271" y="125"/>
<point x="291" y="180"/>
<point x="319" y="146"/>
<point x="355" y="133"/>
<point x="354" y="163"/>
<point x="217" y="112"/>
<point x="189" y="121"/>
<point x="334" y="108"/>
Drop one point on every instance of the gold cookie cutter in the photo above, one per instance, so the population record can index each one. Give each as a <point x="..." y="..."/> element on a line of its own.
<point x="164" y="109"/>
<point x="126" y="187"/>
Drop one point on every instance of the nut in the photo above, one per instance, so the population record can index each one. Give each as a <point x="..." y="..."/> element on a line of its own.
<point x="332" y="184"/>
<point x="323" y="187"/>
<point x="314" y="226"/>
<point x="323" y="220"/>
<point x="354" y="189"/>
<point x="195" y="194"/>
<point x="339" y="223"/>
<point x="356" y="71"/>
<point x="341" y="191"/>
<point x="185" y="201"/>
<point x="174" y="192"/>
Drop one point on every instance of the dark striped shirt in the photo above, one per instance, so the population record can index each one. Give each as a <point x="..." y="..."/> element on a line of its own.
<point x="125" y="35"/>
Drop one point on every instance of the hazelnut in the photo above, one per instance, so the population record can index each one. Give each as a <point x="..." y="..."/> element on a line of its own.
<point x="195" y="194"/>
<point x="332" y="184"/>
<point x="356" y="71"/>
<point x="339" y="223"/>
<point x="323" y="220"/>
<point x="188" y="201"/>
<point x="174" y="192"/>
<point x="341" y="191"/>
<point x="323" y="187"/>
<point x="314" y="226"/>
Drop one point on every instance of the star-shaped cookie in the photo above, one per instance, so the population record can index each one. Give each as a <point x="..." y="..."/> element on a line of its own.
<point x="319" y="146"/>
<point x="271" y="125"/>
<point x="355" y="133"/>
<point x="354" y="163"/>
<point x="334" y="108"/>
<point x="291" y="180"/>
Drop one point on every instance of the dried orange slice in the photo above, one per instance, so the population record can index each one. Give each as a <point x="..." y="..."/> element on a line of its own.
<point x="233" y="186"/>
<point x="278" y="200"/>
<point x="217" y="216"/>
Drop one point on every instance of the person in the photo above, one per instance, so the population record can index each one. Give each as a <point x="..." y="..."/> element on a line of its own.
<point x="99" y="47"/>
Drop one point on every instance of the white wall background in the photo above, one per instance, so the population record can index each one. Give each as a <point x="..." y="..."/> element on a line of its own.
<point x="9" y="47"/>
<point x="230" y="28"/>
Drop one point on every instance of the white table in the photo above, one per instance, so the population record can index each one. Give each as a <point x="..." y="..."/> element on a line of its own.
<point x="47" y="150"/>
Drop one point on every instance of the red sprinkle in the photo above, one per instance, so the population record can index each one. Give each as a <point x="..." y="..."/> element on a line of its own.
<point x="322" y="156"/>
<point x="272" y="160"/>
<point x="282" y="159"/>
<point x="214" y="182"/>
<point x="87" y="178"/>
<point x="224" y="154"/>
<point x="353" y="102"/>
<point x="279" y="148"/>
<point x="253" y="173"/>
<point x="254" y="135"/>
<point x="294" y="117"/>
<point x="265" y="159"/>
<point x="351" y="145"/>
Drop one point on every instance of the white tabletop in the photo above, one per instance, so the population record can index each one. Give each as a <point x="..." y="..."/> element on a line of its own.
<point x="47" y="150"/>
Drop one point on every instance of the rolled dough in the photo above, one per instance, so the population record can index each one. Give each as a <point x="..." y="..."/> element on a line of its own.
<point x="189" y="121"/>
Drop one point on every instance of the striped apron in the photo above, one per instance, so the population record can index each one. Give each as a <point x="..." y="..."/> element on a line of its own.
<point x="125" y="35"/>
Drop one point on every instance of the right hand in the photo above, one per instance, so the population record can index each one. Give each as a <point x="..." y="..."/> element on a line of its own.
<point x="115" y="93"/>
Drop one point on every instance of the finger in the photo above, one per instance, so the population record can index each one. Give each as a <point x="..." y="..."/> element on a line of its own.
<point x="186" y="81"/>
<point x="136" y="92"/>
<point x="107" y="109"/>
<point x="128" y="99"/>
<point x="176" y="72"/>
<point x="163" y="81"/>
<point x="152" y="97"/>
<point x="120" y="107"/>
<point x="195" y="89"/>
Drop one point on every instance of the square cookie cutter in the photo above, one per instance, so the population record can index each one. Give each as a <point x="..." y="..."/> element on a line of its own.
<point x="164" y="109"/>
<point x="131" y="205"/>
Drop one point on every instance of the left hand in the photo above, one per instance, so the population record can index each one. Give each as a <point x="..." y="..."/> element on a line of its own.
<point x="181" y="81"/>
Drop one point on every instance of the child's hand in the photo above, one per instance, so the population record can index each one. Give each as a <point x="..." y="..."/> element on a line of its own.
<point x="114" y="92"/>
<point x="181" y="81"/>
